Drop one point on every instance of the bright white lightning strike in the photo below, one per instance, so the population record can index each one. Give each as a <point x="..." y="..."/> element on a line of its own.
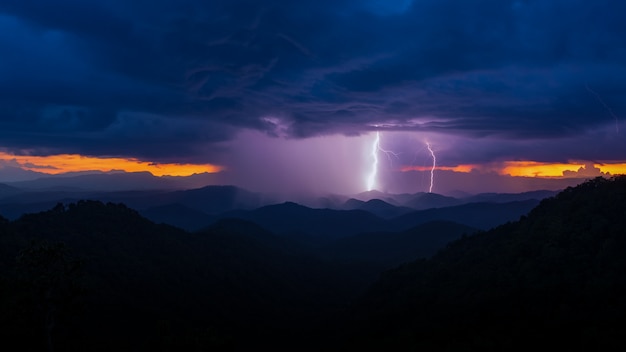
<point x="371" y="180"/>
<point x="432" y="170"/>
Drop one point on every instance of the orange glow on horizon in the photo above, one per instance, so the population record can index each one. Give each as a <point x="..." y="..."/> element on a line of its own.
<point x="534" y="169"/>
<point x="63" y="163"/>
<point x="613" y="169"/>
<point x="538" y="169"/>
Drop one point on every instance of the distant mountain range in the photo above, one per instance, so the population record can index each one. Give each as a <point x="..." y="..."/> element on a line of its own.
<point x="311" y="225"/>
<point x="7" y="191"/>
<point x="480" y="215"/>
<point x="553" y="278"/>
<point x="163" y="200"/>
<point x="113" y="181"/>
<point x="253" y="275"/>
<point x="377" y="207"/>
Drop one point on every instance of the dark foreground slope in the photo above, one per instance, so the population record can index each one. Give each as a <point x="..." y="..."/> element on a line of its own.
<point x="90" y="276"/>
<point x="100" y="277"/>
<point x="556" y="278"/>
<point x="385" y="250"/>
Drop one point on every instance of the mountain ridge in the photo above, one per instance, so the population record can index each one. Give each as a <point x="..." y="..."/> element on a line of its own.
<point x="549" y="278"/>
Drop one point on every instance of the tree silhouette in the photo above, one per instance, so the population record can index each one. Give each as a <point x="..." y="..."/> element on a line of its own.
<point x="50" y="280"/>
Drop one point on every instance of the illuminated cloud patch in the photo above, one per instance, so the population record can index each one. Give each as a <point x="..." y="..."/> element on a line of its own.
<point x="180" y="81"/>
<point x="64" y="163"/>
<point x="573" y="169"/>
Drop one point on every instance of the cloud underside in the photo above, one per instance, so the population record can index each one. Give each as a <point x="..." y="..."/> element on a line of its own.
<point x="177" y="81"/>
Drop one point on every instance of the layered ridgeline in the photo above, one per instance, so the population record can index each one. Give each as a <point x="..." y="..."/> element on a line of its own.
<point x="556" y="278"/>
<point x="193" y="209"/>
<point x="95" y="276"/>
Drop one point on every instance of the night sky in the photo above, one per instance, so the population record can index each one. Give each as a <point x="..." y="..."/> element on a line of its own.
<point x="288" y="95"/>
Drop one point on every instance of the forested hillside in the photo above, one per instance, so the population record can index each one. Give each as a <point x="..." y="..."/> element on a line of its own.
<point x="100" y="277"/>
<point x="95" y="276"/>
<point x="554" y="278"/>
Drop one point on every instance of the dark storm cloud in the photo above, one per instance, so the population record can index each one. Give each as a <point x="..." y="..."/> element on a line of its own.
<point x="161" y="78"/>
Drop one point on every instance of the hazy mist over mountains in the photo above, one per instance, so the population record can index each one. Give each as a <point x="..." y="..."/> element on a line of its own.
<point x="186" y="202"/>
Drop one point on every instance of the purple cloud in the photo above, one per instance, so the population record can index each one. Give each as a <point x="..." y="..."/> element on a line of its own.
<point x="172" y="80"/>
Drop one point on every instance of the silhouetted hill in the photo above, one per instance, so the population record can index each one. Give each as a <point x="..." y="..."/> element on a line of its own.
<point x="389" y="198"/>
<point x="7" y="249"/>
<point x="330" y="201"/>
<point x="352" y="204"/>
<point x="13" y="210"/>
<point x="209" y="199"/>
<point x="554" y="279"/>
<point x="317" y="225"/>
<point x="377" y="207"/>
<point x="107" y="181"/>
<point x="30" y="197"/>
<point x="217" y="199"/>
<point x="96" y="276"/>
<point x="417" y="201"/>
<point x="478" y="215"/>
<point x="115" y="181"/>
<point x="10" y="174"/>
<point x="197" y="180"/>
<point x="383" y="209"/>
<point x="178" y="215"/>
<point x="230" y="281"/>
<point x="150" y="192"/>
<point x="243" y="230"/>
<point x="509" y="197"/>
<point x="420" y="201"/>
<point x="6" y="190"/>
<point x="383" y="250"/>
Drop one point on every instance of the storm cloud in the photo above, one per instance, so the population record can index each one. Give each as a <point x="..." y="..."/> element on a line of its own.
<point x="170" y="80"/>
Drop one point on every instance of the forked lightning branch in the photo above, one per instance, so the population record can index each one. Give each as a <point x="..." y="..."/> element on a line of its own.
<point x="376" y="148"/>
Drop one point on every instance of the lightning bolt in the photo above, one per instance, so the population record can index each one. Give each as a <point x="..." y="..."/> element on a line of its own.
<point x="432" y="170"/>
<point x="371" y="181"/>
<point x="599" y="98"/>
<point x="376" y="148"/>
